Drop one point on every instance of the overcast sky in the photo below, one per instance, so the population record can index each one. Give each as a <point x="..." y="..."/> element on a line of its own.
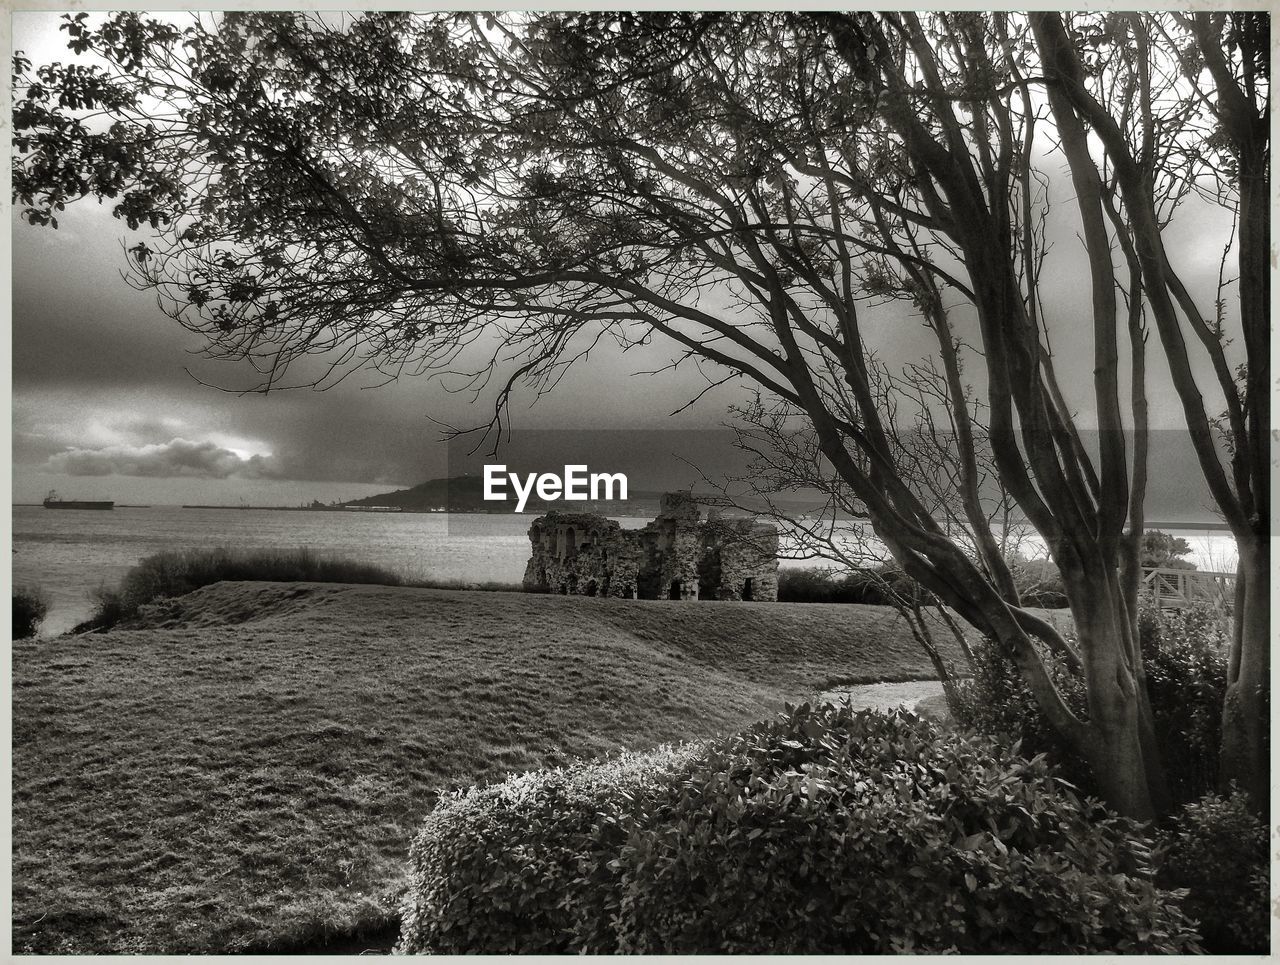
<point x="108" y="401"/>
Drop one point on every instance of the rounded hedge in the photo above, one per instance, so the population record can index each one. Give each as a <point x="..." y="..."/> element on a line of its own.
<point x="826" y="831"/>
<point x="834" y="831"/>
<point x="522" y="866"/>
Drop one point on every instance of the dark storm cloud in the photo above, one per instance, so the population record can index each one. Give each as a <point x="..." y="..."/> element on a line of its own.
<point x="178" y="458"/>
<point x="99" y="373"/>
<point x="100" y="380"/>
<point x="34" y="447"/>
<point x="75" y="322"/>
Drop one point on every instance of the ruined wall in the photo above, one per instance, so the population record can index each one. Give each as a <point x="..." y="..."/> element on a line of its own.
<point x="581" y="553"/>
<point x="674" y="548"/>
<point x="741" y="560"/>
<point x="677" y="556"/>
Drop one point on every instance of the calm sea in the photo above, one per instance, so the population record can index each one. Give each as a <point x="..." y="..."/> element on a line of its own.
<point x="70" y="553"/>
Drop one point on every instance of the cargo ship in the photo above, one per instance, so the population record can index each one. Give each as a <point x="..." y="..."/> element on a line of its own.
<point x="54" y="501"/>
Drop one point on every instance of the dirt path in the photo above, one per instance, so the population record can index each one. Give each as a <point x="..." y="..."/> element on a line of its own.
<point x="885" y="696"/>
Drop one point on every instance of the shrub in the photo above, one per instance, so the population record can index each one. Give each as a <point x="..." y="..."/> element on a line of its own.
<point x="1185" y="656"/>
<point x="1038" y="582"/>
<point x="874" y="586"/>
<point x="825" y="831"/>
<point x="178" y="572"/>
<point x="486" y="586"/>
<point x="831" y="831"/>
<point x="1217" y="849"/>
<point x="30" y="607"/>
<point x="1161" y="549"/>
<point x="815" y="584"/>
<point x="517" y="867"/>
<point x="996" y="701"/>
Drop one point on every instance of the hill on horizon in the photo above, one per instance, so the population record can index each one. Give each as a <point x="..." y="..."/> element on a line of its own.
<point x="465" y="494"/>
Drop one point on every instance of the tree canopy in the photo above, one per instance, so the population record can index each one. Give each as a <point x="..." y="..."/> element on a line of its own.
<point x="497" y="195"/>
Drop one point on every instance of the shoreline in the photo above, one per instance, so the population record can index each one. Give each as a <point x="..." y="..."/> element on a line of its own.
<point x="1216" y="526"/>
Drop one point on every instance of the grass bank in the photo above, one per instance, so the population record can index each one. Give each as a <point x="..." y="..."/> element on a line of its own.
<point x="244" y="772"/>
<point x="174" y="573"/>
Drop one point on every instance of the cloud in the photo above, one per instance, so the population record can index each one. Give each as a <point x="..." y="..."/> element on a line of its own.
<point x="177" y="458"/>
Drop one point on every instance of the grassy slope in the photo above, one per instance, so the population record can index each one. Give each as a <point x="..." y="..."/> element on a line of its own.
<point x="245" y="773"/>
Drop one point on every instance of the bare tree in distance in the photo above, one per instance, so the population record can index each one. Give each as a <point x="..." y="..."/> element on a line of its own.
<point x="789" y="482"/>
<point x="414" y="191"/>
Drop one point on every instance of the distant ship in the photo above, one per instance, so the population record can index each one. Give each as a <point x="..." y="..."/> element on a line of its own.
<point x="54" y="501"/>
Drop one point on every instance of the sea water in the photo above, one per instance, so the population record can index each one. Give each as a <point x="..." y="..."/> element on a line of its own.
<point x="70" y="553"/>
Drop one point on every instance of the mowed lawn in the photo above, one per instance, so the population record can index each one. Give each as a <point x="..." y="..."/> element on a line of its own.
<point x="245" y="773"/>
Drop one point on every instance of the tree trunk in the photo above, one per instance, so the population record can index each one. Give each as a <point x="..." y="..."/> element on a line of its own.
<point x="1116" y="759"/>
<point x="1129" y="782"/>
<point x="1245" y="757"/>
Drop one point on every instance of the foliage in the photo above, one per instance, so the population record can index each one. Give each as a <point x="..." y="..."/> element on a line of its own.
<point x="1185" y="657"/>
<point x="487" y="586"/>
<point x="818" y="584"/>
<point x="178" y="572"/>
<point x="1163" y="550"/>
<point x="401" y="186"/>
<point x="996" y="701"/>
<point x="1217" y="849"/>
<point x="812" y="584"/>
<point x="834" y="831"/>
<point x="30" y="607"/>
<point x="826" y="831"/>
<point x="522" y="866"/>
<point x="1037" y="581"/>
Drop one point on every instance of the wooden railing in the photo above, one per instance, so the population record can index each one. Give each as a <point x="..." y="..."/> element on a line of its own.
<point x="1173" y="589"/>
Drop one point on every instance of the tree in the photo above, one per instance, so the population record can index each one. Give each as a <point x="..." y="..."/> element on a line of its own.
<point x="1194" y="115"/>
<point x="1161" y="549"/>
<point x="409" y="191"/>
<point x="787" y="464"/>
<point x="785" y="458"/>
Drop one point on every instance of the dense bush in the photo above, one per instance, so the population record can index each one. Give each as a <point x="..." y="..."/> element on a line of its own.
<point x="1037" y="581"/>
<point x="30" y="607"/>
<point x="1162" y="550"/>
<point x="1217" y="848"/>
<point x="517" y="867"/>
<point x="1185" y="657"/>
<point x="875" y="586"/>
<point x="825" y="831"/>
<point x="831" y="831"/>
<point x="177" y="572"/>
<point x="996" y="701"/>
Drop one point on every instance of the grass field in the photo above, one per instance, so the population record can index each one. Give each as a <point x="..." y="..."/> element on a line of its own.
<point x="244" y="773"/>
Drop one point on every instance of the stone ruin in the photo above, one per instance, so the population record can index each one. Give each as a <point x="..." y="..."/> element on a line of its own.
<point x="678" y="556"/>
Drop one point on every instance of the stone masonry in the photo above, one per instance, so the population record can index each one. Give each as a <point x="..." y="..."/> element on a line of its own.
<point x="678" y="556"/>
